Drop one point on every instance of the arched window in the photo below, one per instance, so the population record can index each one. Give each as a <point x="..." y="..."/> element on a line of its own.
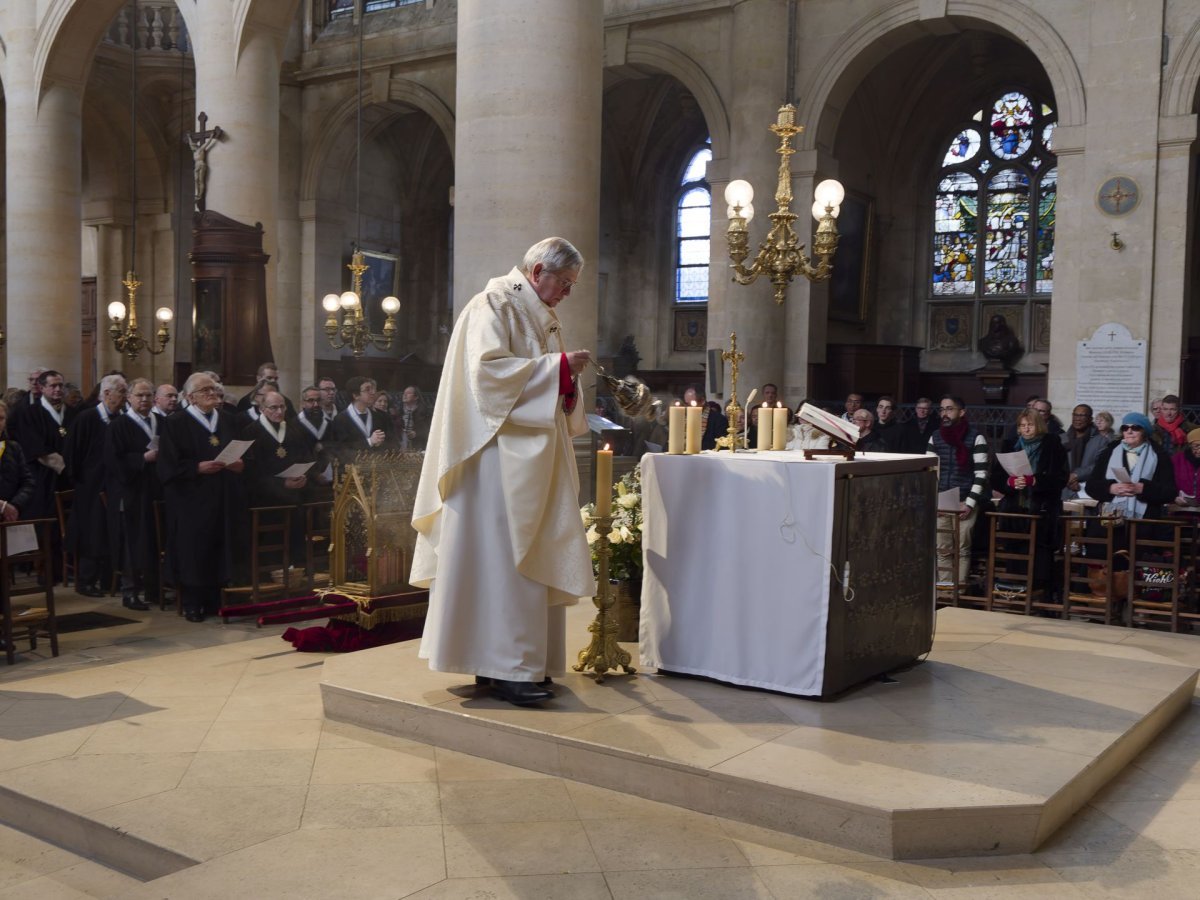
<point x="993" y="222"/>
<point x="693" y="218"/>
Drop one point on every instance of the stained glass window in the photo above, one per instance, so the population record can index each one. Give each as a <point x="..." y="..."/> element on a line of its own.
<point x="993" y="207"/>
<point x="693" y="219"/>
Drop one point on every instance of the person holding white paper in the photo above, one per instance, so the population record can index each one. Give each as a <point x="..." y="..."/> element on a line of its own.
<point x="205" y="500"/>
<point x="1037" y="493"/>
<point x="277" y="444"/>
<point x="1152" y="478"/>
<point x="962" y="453"/>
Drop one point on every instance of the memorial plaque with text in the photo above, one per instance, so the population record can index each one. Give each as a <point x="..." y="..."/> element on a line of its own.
<point x="1110" y="371"/>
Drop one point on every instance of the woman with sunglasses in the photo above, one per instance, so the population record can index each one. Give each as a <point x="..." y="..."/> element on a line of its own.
<point x="1151" y="477"/>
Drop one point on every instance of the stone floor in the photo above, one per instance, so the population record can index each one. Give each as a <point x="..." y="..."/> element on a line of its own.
<point x="209" y="740"/>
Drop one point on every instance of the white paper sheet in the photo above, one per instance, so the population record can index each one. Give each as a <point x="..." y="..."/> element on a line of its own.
<point x="233" y="451"/>
<point x="295" y="471"/>
<point x="21" y="539"/>
<point x="1015" y="463"/>
<point x="1121" y="474"/>
<point x="948" y="500"/>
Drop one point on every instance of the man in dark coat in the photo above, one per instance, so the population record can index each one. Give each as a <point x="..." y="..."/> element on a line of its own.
<point x="360" y="426"/>
<point x="42" y="433"/>
<point x="920" y="428"/>
<point x="314" y="427"/>
<point x="278" y="445"/>
<point x="16" y="481"/>
<point x="92" y="520"/>
<point x="132" y="486"/>
<point x="204" y="499"/>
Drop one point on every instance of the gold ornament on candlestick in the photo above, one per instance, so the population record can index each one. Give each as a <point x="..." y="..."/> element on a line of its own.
<point x="732" y="441"/>
<point x="604" y="653"/>
<point x="781" y="256"/>
<point x="126" y="336"/>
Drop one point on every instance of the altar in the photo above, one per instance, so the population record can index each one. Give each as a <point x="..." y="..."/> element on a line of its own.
<point x="771" y="571"/>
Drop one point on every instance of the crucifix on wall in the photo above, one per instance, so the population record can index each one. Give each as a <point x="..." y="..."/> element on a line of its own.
<point x="200" y="142"/>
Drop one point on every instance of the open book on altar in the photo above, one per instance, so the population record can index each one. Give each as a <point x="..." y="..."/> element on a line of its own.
<point x="827" y="423"/>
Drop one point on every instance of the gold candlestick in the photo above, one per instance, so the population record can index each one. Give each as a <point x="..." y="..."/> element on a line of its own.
<point x="603" y="653"/>
<point x="733" y="356"/>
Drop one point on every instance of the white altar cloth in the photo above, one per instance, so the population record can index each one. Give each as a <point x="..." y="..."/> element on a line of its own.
<point x="737" y="574"/>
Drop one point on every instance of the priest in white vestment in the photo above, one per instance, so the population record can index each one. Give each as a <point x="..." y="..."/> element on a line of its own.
<point x="500" y="542"/>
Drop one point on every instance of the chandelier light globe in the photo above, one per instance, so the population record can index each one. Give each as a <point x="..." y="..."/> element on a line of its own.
<point x="830" y="192"/>
<point x="164" y="314"/>
<point x="818" y="210"/>
<point x="748" y="212"/>
<point x="391" y="305"/>
<point x="348" y="300"/>
<point x="739" y="193"/>
<point x="116" y="310"/>
<point x="331" y="303"/>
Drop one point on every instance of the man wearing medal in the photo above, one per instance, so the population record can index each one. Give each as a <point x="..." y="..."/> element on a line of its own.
<point x="205" y="503"/>
<point x="278" y="445"/>
<point x="42" y="431"/>
<point x="313" y="426"/>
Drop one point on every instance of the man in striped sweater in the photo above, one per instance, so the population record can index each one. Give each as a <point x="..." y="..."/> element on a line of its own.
<point x="962" y="463"/>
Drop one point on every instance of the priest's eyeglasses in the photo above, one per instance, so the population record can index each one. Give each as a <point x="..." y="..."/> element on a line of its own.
<point x="567" y="283"/>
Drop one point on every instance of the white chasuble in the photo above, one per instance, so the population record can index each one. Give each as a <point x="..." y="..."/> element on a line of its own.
<point x="500" y="542"/>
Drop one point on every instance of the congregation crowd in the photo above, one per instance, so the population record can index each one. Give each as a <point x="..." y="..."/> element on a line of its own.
<point x="136" y="460"/>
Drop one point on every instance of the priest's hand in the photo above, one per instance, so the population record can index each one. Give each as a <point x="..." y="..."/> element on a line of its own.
<point x="150" y="455"/>
<point x="10" y="513"/>
<point x="295" y="483"/>
<point x="376" y="438"/>
<point x="577" y="360"/>
<point x="237" y="465"/>
<point x="209" y="467"/>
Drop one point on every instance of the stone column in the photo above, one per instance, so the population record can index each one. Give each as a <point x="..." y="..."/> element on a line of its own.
<point x="238" y="87"/>
<point x="527" y="143"/>
<point x="759" y="56"/>
<point x="43" y="180"/>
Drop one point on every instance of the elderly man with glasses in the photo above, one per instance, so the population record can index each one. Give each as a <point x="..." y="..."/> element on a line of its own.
<point x="204" y="499"/>
<point x="131" y="458"/>
<point x="500" y="544"/>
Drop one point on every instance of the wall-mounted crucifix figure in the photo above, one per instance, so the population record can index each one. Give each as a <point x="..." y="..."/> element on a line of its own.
<point x="201" y="141"/>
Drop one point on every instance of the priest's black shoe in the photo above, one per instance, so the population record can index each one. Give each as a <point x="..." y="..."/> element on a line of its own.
<point x="194" y="616"/>
<point x="520" y="693"/>
<point x="132" y="601"/>
<point x="88" y="590"/>
<point x="484" y="680"/>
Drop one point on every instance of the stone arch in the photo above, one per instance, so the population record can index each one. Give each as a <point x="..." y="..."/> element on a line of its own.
<point x="691" y="75"/>
<point x="865" y="44"/>
<point x="68" y="36"/>
<point x="402" y="94"/>
<point x="259" y="17"/>
<point x="1182" y="82"/>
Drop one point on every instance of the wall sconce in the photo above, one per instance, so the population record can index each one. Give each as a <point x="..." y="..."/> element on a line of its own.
<point x="781" y="256"/>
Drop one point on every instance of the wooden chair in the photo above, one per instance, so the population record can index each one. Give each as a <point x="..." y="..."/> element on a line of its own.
<point x="63" y="501"/>
<point x="29" y="622"/>
<point x="318" y="518"/>
<point x="1010" y="576"/>
<point x="270" y="551"/>
<point x="1156" y="572"/>
<point x="1089" y="584"/>
<point x="948" y="589"/>
<point x="1189" y="601"/>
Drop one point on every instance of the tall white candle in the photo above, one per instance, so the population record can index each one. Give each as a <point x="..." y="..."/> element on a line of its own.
<point x="675" y="429"/>
<point x="765" y="422"/>
<point x="604" y="482"/>
<point x="779" y="427"/>
<point x="693" y="429"/>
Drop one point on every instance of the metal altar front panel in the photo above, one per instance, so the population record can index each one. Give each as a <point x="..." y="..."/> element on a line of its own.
<point x="884" y="524"/>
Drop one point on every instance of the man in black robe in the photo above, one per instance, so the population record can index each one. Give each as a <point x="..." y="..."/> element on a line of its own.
<point x="360" y="426"/>
<point x="278" y="445"/>
<point x="313" y="426"/>
<point x="42" y="434"/>
<point x="204" y="499"/>
<point x="92" y="521"/>
<point x="132" y="487"/>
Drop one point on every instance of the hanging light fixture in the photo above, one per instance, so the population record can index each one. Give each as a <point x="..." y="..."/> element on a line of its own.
<point x="124" y="331"/>
<point x="354" y="331"/>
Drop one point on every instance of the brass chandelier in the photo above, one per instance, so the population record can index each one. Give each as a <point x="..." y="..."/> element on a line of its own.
<point x="781" y="256"/>
<point x="354" y="331"/>
<point x="126" y="336"/>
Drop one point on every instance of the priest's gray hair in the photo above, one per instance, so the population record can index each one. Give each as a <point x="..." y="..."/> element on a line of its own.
<point x="189" y="386"/>
<point x="554" y="253"/>
<point x="146" y="381"/>
<point x="111" y="383"/>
